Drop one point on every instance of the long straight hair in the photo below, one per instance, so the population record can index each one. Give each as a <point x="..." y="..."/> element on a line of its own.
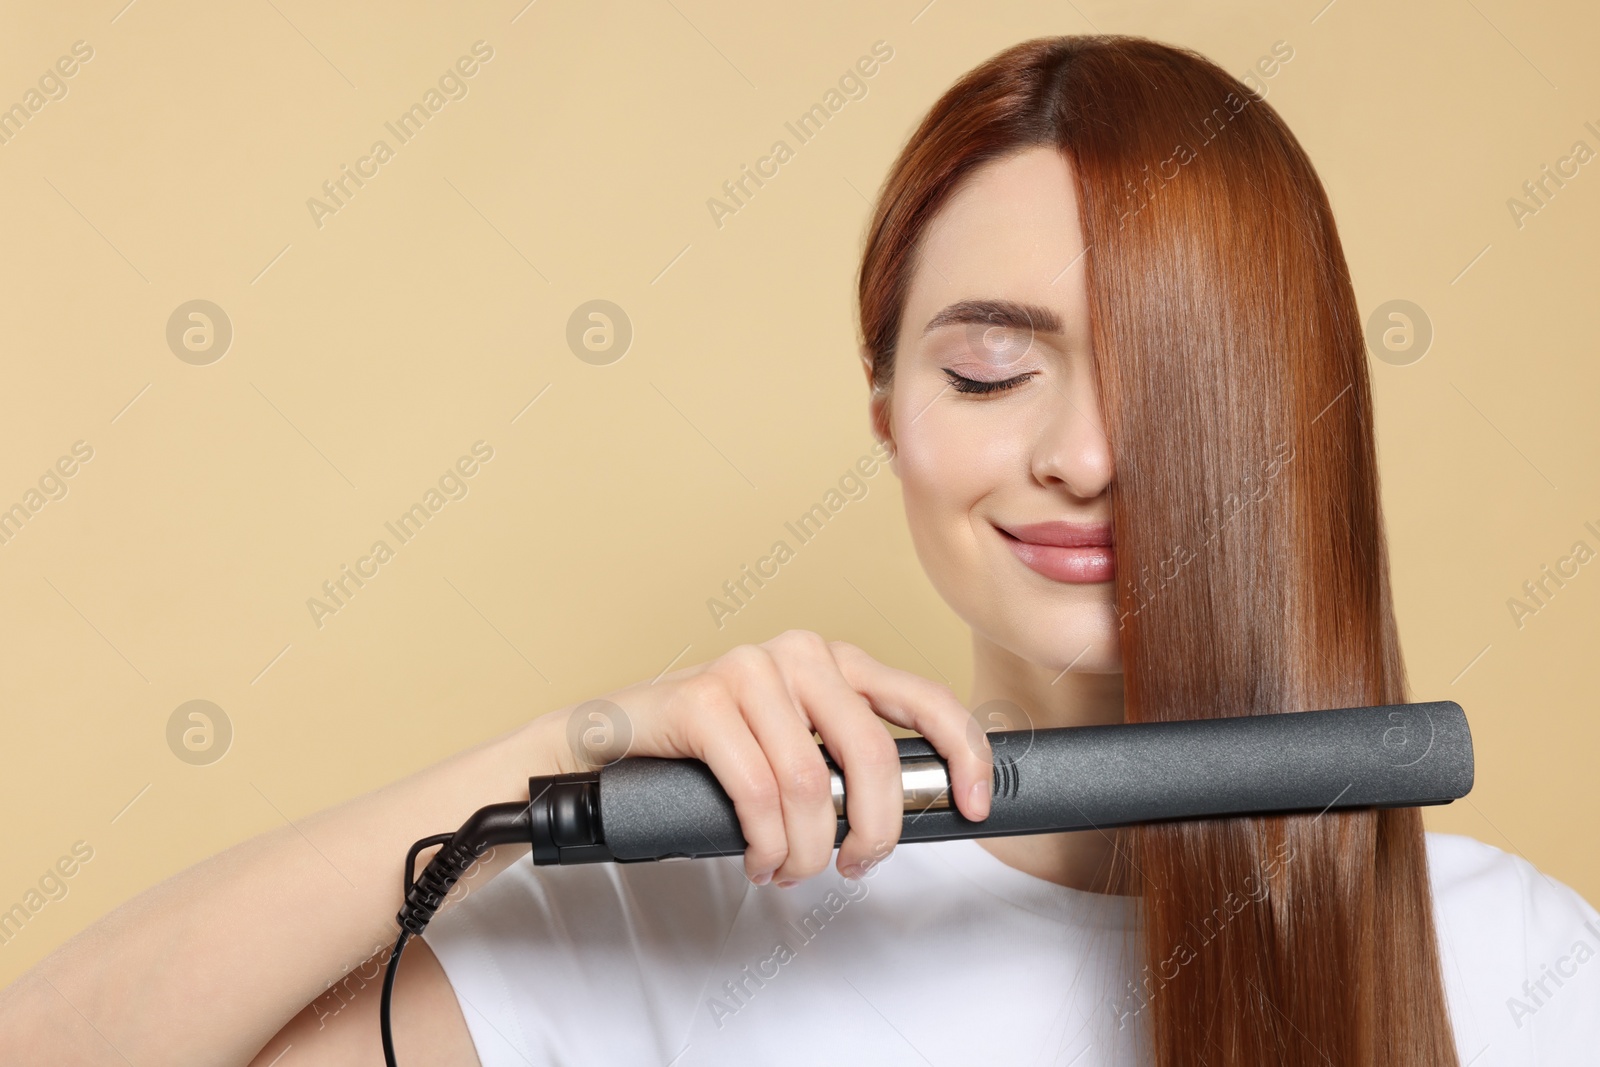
<point x="1251" y="569"/>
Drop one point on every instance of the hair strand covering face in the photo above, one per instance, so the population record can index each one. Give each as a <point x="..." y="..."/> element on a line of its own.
<point x="1252" y="575"/>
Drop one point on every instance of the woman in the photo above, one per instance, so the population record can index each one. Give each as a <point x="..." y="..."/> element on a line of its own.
<point x="1102" y="291"/>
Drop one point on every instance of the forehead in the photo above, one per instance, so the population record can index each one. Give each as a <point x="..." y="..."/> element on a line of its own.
<point x="1010" y="231"/>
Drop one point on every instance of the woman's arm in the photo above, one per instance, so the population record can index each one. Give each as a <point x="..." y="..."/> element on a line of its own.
<point x="206" y="967"/>
<point x="340" y="1028"/>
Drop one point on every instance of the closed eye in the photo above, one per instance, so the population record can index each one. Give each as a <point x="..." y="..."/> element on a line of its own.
<point x="963" y="384"/>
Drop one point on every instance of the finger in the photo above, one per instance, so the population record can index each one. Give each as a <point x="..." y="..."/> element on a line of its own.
<point x="864" y="750"/>
<point x="711" y="729"/>
<point x="933" y="711"/>
<point x="797" y="764"/>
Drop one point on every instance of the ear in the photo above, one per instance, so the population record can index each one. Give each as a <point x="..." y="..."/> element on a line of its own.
<point x="878" y="410"/>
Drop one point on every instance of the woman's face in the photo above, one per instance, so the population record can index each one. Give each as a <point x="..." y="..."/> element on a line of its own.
<point x="1006" y="490"/>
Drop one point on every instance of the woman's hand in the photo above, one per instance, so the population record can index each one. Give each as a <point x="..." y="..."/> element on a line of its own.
<point x="749" y="716"/>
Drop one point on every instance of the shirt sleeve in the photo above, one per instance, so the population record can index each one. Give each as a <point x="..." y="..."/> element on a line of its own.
<point x="598" y="963"/>
<point x="1559" y="998"/>
<point x="1520" y="953"/>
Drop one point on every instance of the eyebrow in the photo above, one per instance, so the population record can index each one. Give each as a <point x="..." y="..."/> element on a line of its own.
<point x="1006" y="313"/>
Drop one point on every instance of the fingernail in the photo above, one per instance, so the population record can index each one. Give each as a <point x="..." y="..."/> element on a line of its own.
<point x="763" y="878"/>
<point x="787" y="883"/>
<point x="852" y="872"/>
<point x="978" y="796"/>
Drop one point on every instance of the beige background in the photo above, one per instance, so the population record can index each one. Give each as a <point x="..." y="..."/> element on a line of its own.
<point x="426" y="314"/>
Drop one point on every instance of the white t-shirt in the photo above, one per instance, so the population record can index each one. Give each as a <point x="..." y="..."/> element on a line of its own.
<point x="941" y="955"/>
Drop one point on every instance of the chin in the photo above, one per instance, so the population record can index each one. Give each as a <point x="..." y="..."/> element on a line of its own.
<point x="1084" y="636"/>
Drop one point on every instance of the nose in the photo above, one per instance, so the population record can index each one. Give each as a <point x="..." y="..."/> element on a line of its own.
<point x="1071" y="450"/>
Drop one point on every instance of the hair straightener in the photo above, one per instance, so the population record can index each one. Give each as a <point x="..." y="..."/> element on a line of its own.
<point x="1066" y="778"/>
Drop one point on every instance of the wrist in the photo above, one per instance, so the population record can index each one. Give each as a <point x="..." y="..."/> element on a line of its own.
<point x="540" y="747"/>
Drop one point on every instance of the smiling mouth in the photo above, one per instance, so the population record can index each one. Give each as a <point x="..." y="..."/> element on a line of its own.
<point x="1068" y="552"/>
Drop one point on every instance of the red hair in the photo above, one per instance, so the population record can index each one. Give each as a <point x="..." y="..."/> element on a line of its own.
<point x="1252" y="574"/>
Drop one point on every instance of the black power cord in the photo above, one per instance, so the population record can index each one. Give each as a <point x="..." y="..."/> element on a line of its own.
<point x="497" y="824"/>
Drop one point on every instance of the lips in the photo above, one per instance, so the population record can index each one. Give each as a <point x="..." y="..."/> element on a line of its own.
<point x="1071" y="552"/>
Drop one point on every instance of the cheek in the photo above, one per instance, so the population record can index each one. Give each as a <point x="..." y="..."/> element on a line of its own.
<point x="948" y="463"/>
<point x="929" y="498"/>
<point x="954" y="453"/>
<point x="927" y="462"/>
